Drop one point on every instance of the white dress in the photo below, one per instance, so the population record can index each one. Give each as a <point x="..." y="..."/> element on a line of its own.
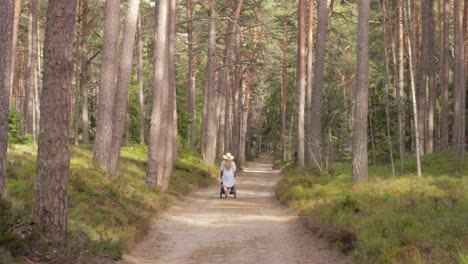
<point x="228" y="175"/>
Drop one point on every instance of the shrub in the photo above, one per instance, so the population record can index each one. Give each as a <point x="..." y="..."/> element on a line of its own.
<point x="400" y="219"/>
<point x="14" y="129"/>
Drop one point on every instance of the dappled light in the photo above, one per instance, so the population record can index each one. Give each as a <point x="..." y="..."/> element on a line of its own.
<point x="252" y="227"/>
<point x="337" y="127"/>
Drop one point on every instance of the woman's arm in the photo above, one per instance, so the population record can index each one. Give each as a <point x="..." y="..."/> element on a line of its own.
<point x="221" y="169"/>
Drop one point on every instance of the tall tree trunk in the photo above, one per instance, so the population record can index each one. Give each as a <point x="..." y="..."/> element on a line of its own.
<point x="401" y="86"/>
<point x="53" y="155"/>
<point x="123" y="83"/>
<point x="413" y="94"/>
<point x="361" y="92"/>
<point x="15" y="41"/>
<point x="431" y="75"/>
<point x="191" y="99"/>
<point x="459" y="81"/>
<point x="309" y="155"/>
<point x="84" y="78"/>
<point x="421" y="65"/>
<point x="414" y="29"/>
<point x="228" y="114"/>
<point x="371" y="130"/>
<point x="387" y="73"/>
<point x="29" y="111"/>
<point x="465" y="36"/>
<point x="245" y="142"/>
<point x="209" y="131"/>
<point x="223" y="93"/>
<point x="141" y="91"/>
<point x="237" y="100"/>
<point x="319" y="68"/>
<point x="444" y="79"/>
<point x="301" y="82"/>
<point x="39" y="87"/>
<point x="172" y="157"/>
<point x="22" y="77"/>
<point x="107" y="88"/>
<point x="424" y="73"/>
<point x="159" y="135"/>
<point x="393" y="43"/>
<point x="76" y="99"/>
<point x="284" y="90"/>
<point x="7" y="13"/>
<point x="465" y="46"/>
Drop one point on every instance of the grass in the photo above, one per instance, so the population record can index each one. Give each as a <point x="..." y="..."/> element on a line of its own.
<point x="107" y="215"/>
<point x="401" y="219"/>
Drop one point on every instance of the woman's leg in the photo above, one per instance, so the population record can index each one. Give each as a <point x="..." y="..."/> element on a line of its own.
<point x="226" y="190"/>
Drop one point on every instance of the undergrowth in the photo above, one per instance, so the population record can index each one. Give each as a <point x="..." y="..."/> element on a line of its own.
<point x="107" y="215"/>
<point x="401" y="219"/>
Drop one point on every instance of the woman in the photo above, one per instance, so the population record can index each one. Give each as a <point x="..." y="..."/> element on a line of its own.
<point x="228" y="170"/>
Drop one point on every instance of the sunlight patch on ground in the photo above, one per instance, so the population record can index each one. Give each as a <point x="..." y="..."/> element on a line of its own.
<point x="256" y="170"/>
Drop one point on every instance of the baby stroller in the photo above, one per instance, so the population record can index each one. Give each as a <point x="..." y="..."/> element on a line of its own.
<point x="232" y="191"/>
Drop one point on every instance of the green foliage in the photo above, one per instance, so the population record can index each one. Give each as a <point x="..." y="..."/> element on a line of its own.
<point x="14" y="129"/>
<point x="396" y="219"/>
<point x="133" y="121"/>
<point x="107" y="215"/>
<point x="8" y="241"/>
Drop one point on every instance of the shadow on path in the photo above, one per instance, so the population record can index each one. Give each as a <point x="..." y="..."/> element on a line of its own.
<point x="254" y="228"/>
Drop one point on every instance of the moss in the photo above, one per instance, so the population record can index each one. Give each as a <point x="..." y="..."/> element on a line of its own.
<point x="107" y="215"/>
<point x="399" y="219"/>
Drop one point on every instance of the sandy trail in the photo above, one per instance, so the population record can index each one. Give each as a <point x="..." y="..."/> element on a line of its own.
<point x="253" y="228"/>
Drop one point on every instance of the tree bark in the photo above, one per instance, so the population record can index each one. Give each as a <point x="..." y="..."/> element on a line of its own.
<point x="209" y="131"/>
<point x="237" y="99"/>
<point x="29" y="103"/>
<point x="319" y="68"/>
<point x="7" y="12"/>
<point x="413" y="94"/>
<point x="76" y="98"/>
<point x="387" y="73"/>
<point x="425" y="76"/>
<point x="228" y="113"/>
<point x="160" y="114"/>
<point x="123" y="83"/>
<point x="401" y="86"/>
<point x="223" y="90"/>
<point x="361" y="92"/>
<point x="107" y="88"/>
<point x="459" y="82"/>
<point x="53" y="158"/>
<point x="14" y="53"/>
<point x="84" y="78"/>
<point x="422" y="68"/>
<point x="309" y="155"/>
<point x="301" y="82"/>
<point x="431" y="75"/>
<point x="444" y="79"/>
<point x="191" y="97"/>
<point x="245" y="141"/>
<point x="39" y="87"/>
<point x="172" y="83"/>
<point x="141" y="91"/>
<point x="284" y="90"/>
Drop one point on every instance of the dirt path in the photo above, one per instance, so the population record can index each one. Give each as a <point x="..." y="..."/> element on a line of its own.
<point x="254" y="228"/>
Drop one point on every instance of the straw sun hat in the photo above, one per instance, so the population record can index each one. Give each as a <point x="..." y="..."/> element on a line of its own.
<point x="228" y="156"/>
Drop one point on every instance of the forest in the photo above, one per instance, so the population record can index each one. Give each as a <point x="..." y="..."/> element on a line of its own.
<point x="113" y="111"/>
